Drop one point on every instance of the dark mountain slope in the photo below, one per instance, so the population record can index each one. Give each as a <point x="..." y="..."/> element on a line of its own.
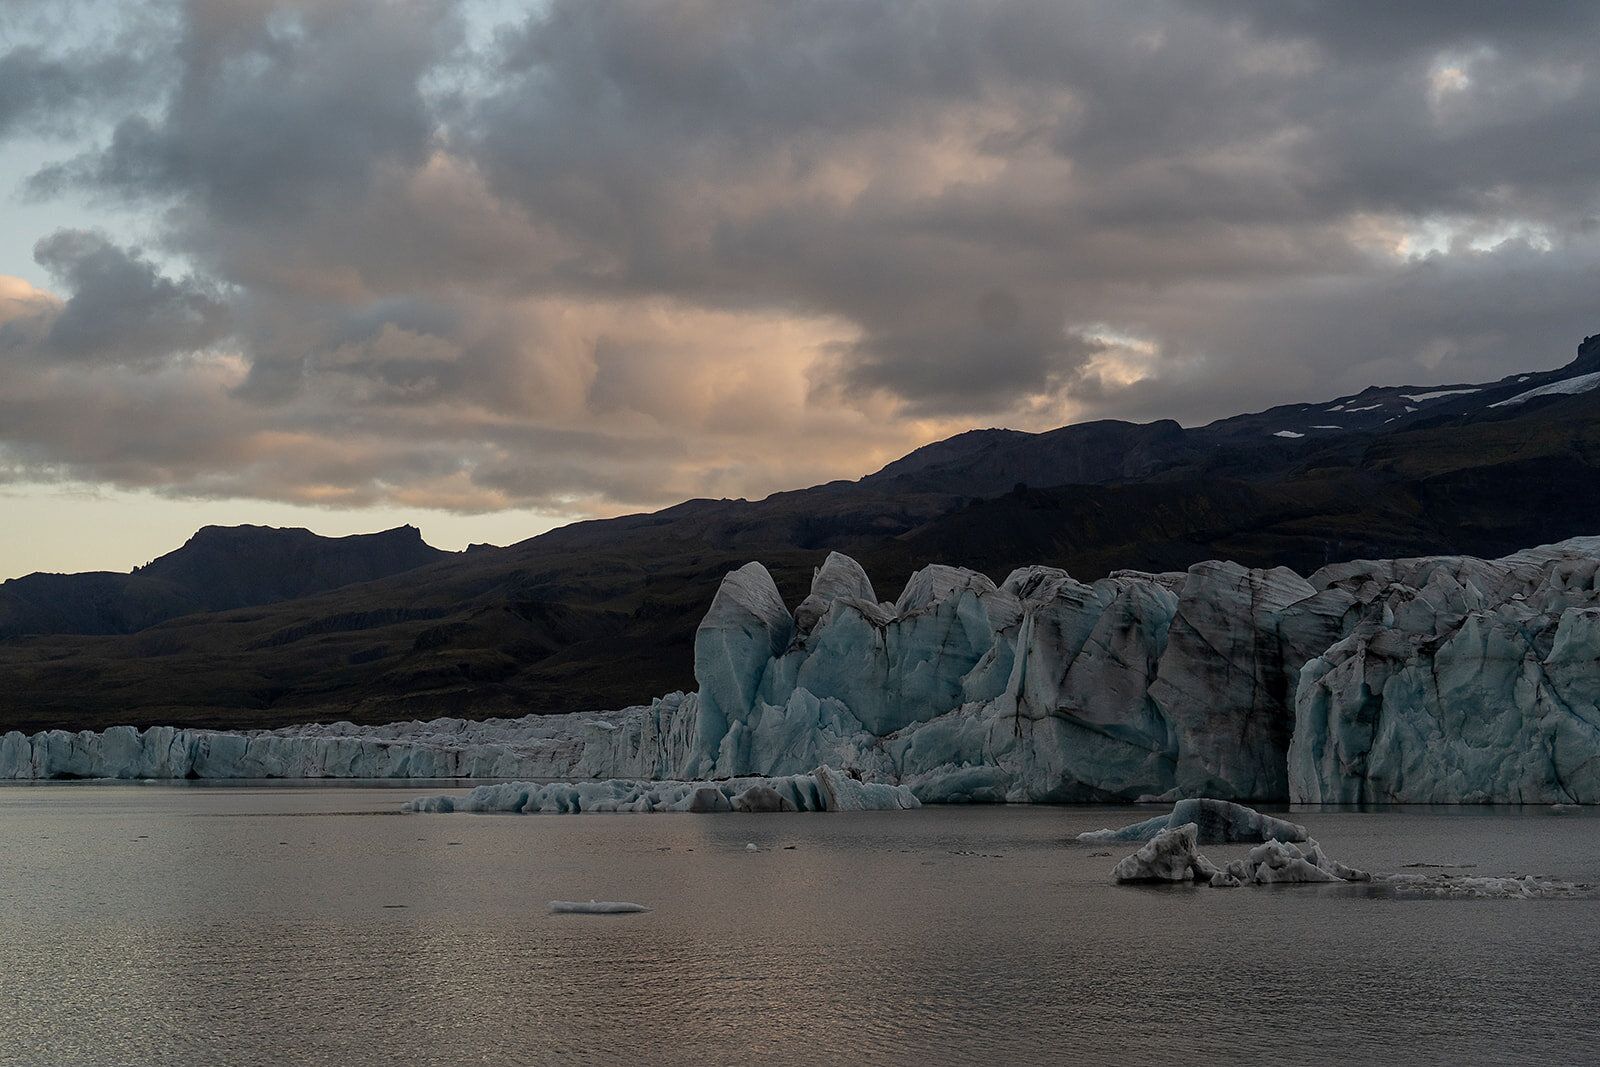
<point x="1478" y="489"/>
<point x="216" y="569"/>
<point x="602" y="614"/>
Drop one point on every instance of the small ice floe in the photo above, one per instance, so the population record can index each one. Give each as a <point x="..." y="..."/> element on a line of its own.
<point x="594" y="907"/>
<point x="1483" y="887"/>
<point x="1565" y="809"/>
<point x="751" y="847"/>
<point x="1440" y="865"/>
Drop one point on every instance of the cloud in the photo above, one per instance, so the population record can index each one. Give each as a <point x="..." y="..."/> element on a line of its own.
<point x="1372" y="30"/>
<point x="273" y="106"/>
<point x="612" y="255"/>
<point x="122" y="309"/>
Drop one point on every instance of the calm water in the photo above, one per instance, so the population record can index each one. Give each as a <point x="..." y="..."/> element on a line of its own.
<point x="173" y="924"/>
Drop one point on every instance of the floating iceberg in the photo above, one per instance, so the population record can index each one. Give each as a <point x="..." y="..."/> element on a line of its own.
<point x="595" y="907"/>
<point x="824" y="789"/>
<point x="1483" y="887"/>
<point x="1283" y="862"/>
<point x="1219" y="822"/>
<point x="1172" y="856"/>
<point x="1169" y="856"/>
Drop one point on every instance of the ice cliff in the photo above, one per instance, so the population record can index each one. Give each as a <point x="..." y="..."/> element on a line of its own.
<point x="1424" y="680"/>
<point x="1440" y="679"/>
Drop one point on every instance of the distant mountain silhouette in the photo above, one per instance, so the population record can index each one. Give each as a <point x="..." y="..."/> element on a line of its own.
<point x="220" y="567"/>
<point x="247" y="627"/>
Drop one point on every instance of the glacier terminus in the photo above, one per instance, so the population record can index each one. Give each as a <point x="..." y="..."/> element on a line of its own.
<point x="1440" y="679"/>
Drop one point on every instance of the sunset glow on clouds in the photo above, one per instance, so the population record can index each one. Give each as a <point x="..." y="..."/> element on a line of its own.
<point x="600" y="257"/>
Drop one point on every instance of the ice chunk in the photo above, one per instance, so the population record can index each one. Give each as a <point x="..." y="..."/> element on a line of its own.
<point x="824" y="789"/>
<point x="1170" y="856"/>
<point x="595" y="907"/>
<point x="1483" y="887"/>
<point x="709" y="798"/>
<point x="1219" y="822"/>
<point x="1279" y="862"/>
<point x="761" y="798"/>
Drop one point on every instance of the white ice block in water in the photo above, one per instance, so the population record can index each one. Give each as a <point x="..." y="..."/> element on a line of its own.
<point x="595" y="907"/>
<point x="1170" y="856"/>
<point x="1219" y="821"/>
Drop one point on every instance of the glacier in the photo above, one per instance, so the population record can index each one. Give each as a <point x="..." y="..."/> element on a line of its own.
<point x="630" y="742"/>
<point x="1430" y="680"/>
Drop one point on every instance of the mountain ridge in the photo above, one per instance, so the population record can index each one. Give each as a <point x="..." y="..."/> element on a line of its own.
<point x="603" y="613"/>
<point x="219" y="568"/>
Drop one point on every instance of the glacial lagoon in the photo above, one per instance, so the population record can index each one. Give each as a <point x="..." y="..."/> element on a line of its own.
<point x="314" y="923"/>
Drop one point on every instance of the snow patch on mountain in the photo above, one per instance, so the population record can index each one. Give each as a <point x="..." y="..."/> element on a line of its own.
<point x="1567" y="386"/>
<point x="1439" y="394"/>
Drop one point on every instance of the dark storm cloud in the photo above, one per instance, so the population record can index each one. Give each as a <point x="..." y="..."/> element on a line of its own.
<point x="1145" y="147"/>
<point x="122" y="309"/>
<point x="1368" y="30"/>
<point x="625" y="252"/>
<point x="276" y="105"/>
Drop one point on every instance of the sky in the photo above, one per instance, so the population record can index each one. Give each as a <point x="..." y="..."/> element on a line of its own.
<point x="489" y="267"/>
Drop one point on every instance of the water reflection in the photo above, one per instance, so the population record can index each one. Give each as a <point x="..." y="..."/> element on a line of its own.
<point x="206" y="926"/>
